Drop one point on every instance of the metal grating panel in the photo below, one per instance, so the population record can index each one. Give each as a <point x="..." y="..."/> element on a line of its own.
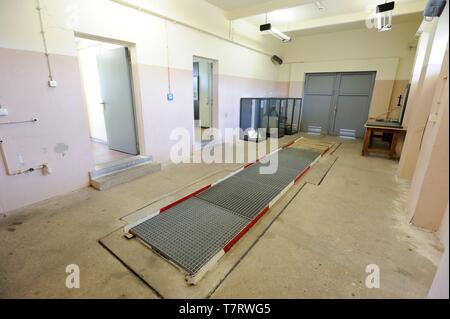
<point x="295" y="158"/>
<point x="280" y="179"/>
<point x="190" y="233"/>
<point x="242" y="196"/>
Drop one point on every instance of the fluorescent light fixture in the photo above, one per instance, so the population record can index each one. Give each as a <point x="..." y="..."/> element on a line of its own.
<point x="319" y="5"/>
<point x="275" y="32"/>
<point x="384" y="16"/>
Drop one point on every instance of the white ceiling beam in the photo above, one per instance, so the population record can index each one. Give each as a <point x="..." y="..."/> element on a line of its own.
<point x="263" y="7"/>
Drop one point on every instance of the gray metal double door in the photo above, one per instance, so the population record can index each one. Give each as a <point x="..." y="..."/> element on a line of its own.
<point x="337" y="103"/>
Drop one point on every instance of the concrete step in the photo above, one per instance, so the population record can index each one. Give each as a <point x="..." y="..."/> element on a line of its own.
<point x="122" y="171"/>
<point x="111" y="167"/>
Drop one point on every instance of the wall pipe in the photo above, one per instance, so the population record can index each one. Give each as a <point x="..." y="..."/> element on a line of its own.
<point x="19" y="122"/>
<point x="44" y="167"/>
<point x="44" y="40"/>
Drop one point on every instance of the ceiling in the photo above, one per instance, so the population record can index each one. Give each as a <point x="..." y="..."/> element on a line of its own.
<point x="303" y="16"/>
<point x="234" y="4"/>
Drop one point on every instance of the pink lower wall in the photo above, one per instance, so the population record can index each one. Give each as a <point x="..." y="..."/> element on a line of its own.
<point x="160" y="116"/>
<point x="61" y="119"/>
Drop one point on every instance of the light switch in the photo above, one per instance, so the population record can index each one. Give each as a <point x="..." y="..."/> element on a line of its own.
<point x="52" y="83"/>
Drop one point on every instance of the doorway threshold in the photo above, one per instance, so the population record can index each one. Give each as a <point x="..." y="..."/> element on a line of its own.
<point x="107" y="175"/>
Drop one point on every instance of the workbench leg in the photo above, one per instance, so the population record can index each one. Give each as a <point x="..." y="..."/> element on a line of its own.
<point x="366" y="142"/>
<point x="392" y="150"/>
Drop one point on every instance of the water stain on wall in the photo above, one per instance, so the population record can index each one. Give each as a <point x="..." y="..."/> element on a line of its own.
<point x="61" y="148"/>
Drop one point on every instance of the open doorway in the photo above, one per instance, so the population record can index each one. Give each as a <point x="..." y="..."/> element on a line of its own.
<point x="203" y="80"/>
<point x="106" y="78"/>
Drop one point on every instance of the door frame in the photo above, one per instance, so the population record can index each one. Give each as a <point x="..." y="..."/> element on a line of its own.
<point x="333" y="107"/>
<point x="214" y="112"/>
<point x="136" y="98"/>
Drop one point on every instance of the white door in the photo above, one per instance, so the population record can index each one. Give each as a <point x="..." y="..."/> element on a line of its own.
<point x="115" y="85"/>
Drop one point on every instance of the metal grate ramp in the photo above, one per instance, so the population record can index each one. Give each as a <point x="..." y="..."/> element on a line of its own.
<point x="297" y="159"/>
<point x="244" y="197"/>
<point x="280" y="180"/>
<point x="192" y="232"/>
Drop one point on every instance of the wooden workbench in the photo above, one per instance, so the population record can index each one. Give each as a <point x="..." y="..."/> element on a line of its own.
<point x="370" y="129"/>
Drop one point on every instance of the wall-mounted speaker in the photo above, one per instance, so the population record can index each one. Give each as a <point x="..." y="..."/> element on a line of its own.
<point x="276" y="59"/>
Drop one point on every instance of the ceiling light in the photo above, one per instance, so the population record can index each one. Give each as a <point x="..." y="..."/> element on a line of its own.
<point x="384" y="16"/>
<point x="275" y="32"/>
<point x="319" y="5"/>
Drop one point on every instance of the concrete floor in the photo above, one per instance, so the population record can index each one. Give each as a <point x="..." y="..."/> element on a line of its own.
<point x="102" y="153"/>
<point x="319" y="246"/>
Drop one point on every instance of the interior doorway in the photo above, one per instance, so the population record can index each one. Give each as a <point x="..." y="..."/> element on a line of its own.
<point x="203" y="80"/>
<point x="107" y="84"/>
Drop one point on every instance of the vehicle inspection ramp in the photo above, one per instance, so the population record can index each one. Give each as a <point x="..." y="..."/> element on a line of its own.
<point x="196" y="230"/>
